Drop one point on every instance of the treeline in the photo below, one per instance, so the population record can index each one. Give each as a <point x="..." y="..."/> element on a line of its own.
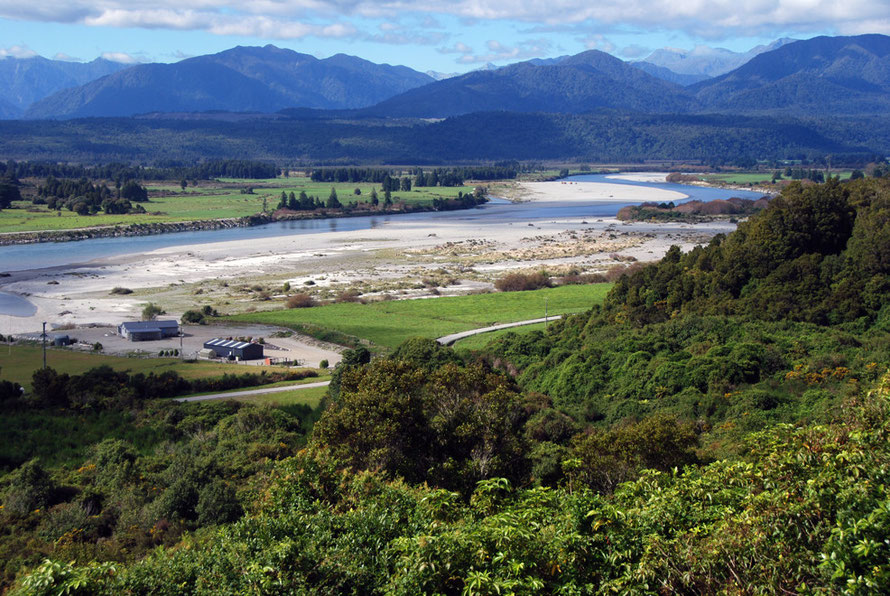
<point x="799" y="173"/>
<point x="435" y="177"/>
<point x="690" y="210"/>
<point x="103" y="387"/>
<point x="463" y="201"/>
<point x="86" y="198"/>
<point x="120" y="172"/>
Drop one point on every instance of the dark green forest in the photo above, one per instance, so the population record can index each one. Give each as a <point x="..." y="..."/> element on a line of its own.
<point x="482" y="137"/>
<point x="718" y="425"/>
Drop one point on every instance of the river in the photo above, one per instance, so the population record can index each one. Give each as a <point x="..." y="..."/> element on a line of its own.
<point x="24" y="257"/>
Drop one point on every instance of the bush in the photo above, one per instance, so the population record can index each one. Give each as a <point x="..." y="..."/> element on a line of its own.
<point x="194" y="317"/>
<point x="30" y="488"/>
<point x="323" y="364"/>
<point x="120" y="290"/>
<point x="350" y="295"/>
<point x="518" y="282"/>
<point x="151" y="311"/>
<point x="301" y="300"/>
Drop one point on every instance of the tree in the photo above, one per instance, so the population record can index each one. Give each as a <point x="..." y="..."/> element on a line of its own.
<point x="374" y="200"/>
<point x="8" y="194"/>
<point x="151" y="311"/>
<point x="132" y="191"/>
<point x="183" y="184"/>
<point x="333" y="201"/>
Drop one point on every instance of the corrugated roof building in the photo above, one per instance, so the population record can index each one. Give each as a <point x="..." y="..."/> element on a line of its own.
<point x="234" y="349"/>
<point x="148" y="330"/>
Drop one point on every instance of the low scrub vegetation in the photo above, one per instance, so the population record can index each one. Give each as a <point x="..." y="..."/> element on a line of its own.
<point x="520" y="282"/>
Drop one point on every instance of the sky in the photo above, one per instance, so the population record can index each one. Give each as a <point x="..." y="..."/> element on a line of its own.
<point x="448" y="36"/>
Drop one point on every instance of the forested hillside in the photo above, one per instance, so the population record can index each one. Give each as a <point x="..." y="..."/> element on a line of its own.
<point x="485" y="137"/>
<point x="719" y="425"/>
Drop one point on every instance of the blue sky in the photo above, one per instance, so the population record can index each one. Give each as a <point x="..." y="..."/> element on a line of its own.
<point x="441" y="35"/>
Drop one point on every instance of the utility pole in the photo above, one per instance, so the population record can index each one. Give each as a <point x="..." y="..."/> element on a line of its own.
<point x="44" y="344"/>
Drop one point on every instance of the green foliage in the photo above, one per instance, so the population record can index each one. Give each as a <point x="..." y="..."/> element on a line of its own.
<point x="601" y="460"/>
<point x="30" y="488"/>
<point x="151" y="311"/>
<point x="448" y="425"/>
<point x="815" y="254"/>
<point x="194" y="317"/>
<point x="804" y="510"/>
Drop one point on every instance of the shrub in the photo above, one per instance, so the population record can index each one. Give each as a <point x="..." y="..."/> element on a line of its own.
<point x="301" y="300"/>
<point x="350" y="295"/>
<point x="194" y="317"/>
<point x="517" y="282"/>
<point x="151" y="311"/>
<point x="323" y="364"/>
<point x="30" y="488"/>
<point x="120" y="290"/>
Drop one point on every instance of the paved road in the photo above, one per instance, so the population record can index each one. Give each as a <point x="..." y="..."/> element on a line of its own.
<point x="260" y="391"/>
<point x="450" y="339"/>
<point x="445" y="341"/>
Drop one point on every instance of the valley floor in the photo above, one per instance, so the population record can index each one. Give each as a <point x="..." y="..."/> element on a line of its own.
<point x="401" y="258"/>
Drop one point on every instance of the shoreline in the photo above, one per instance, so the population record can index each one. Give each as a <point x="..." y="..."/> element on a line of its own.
<point x="198" y="225"/>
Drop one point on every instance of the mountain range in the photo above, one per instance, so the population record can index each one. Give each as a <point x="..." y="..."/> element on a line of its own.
<point x="241" y="79"/>
<point x="824" y="76"/>
<point x="26" y="80"/>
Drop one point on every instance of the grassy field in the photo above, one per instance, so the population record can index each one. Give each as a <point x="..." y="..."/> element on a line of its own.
<point x="755" y="177"/>
<point x="387" y="324"/>
<point x="477" y="342"/>
<point x="208" y="200"/>
<point x="308" y="397"/>
<point x="18" y="363"/>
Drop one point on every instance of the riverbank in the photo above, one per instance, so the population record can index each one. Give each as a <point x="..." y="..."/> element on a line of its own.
<point x="150" y="229"/>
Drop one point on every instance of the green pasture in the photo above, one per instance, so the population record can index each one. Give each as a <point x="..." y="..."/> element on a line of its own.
<point x="295" y="384"/>
<point x="756" y="177"/>
<point x="477" y="342"/>
<point x="298" y="397"/>
<point x="18" y="363"/>
<point x="209" y="200"/>
<point x="389" y="323"/>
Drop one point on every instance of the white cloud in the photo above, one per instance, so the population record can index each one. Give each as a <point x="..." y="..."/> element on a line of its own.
<point x="122" y="57"/>
<point x="66" y="58"/>
<point x="597" y="42"/>
<point x="498" y="52"/>
<point x="21" y="51"/>
<point x="634" y="52"/>
<point x="286" y="19"/>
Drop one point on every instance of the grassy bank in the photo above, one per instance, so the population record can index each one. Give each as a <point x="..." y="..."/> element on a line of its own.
<point x="222" y="199"/>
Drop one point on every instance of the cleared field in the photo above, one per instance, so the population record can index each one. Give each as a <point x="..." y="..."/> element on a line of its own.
<point x="387" y="324"/>
<point x="18" y="363"/>
<point x="209" y="200"/>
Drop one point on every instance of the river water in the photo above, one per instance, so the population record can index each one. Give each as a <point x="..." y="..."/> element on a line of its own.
<point x="498" y="212"/>
<point x="52" y="254"/>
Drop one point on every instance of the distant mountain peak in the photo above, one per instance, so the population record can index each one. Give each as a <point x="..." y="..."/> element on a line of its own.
<point x="706" y="60"/>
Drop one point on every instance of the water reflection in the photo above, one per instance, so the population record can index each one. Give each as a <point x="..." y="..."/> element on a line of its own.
<point x="15" y="306"/>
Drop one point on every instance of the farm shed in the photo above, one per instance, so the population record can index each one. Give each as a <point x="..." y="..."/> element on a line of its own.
<point x="232" y="348"/>
<point x="148" y="330"/>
